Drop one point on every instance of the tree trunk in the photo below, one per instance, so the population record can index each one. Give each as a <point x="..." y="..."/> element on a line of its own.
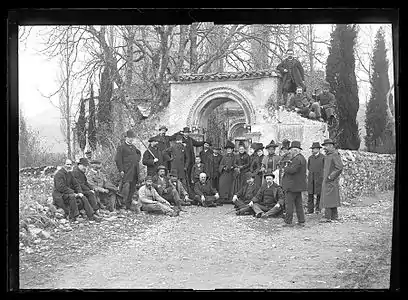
<point x="259" y="47"/>
<point x="181" y="50"/>
<point x="129" y="57"/>
<point x="193" y="48"/>
<point x="311" y="62"/>
<point x="68" y="115"/>
<point x="291" y="36"/>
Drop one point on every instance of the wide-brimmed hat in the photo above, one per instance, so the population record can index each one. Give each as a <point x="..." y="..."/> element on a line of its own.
<point x="148" y="177"/>
<point x="316" y="145"/>
<point x="269" y="174"/>
<point x="259" y="146"/>
<point x="163" y="127"/>
<point x="83" y="161"/>
<point x="173" y="173"/>
<point x="249" y="175"/>
<point x="295" y="144"/>
<point x="161" y="167"/>
<point x="271" y="144"/>
<point x="186" y="130"/>
<point x="208" y="142"/>
<point x="229" y="144"/>
<point x="285" y="144"/>
<point x="130" y="134"/>
<point x="327" y="141"/>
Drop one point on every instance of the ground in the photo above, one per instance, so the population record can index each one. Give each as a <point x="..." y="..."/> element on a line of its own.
<point x="212" y="248"/>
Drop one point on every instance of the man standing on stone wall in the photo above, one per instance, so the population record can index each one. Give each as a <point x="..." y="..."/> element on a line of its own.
<point x="330" y="196"/>
<point x="127" y="161"/>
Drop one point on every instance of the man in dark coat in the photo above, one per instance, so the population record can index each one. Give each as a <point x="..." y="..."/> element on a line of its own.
<point x="206" y="154"/>
<point x="256" y="166"/>
<point x="330" y="195"/>
<point x="68" y="194"/>
<point x="304" y="105"/>
<point x="226" y="174"/>
<point x="315" y="165"/>
<point x="163" y="141"/>
<point x="205" y="194"/>
<point x="244" y="196"/>
<point x="294" y="183"/>
<point x="241" y="167"/>
<point x="178" y="157"/>
<point x="127" y="161"/>
<point x="327" y="103"/>
<point x="268" y="201"/>
<point x="165" y="188"/>
<point x="292" y="73"/>
<point x="79" y="174"/>
<point x="213" y="168"/>
<point x="270" y="162"/>
<point x="197" y="169"/>
<point x="181" y="190"/>
<point x="153" y="157"/>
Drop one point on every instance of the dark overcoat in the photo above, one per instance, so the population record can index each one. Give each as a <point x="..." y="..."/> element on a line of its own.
<point x="333" y="167"/>
<point x="80" y="177"/>
<point x="177" y="152"/>
<point x="190" y="144"/>
<point x="256" y="169"/>
<point x="315" y="176"/>
<point x="226" y="176"/>
<point x="295" y="74"/>
<point x="197" y="170"/>
<point x="65" y="183"/>
<point x="204" y="189"/>
<point x="213" y="167"/>
<point x="241" y="162"/>
<point x="148" y="160"/>
<point x="206" y="156"/>
<point x="294" y="176"/>
<point x="163" y="144"/>
<point x="127" y="160"/>
<point x="247" y="192"/>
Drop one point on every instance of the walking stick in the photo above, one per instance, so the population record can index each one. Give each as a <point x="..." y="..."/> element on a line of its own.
<point x="146" y="148"/>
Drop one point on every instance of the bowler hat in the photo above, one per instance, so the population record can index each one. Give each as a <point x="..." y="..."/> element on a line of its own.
<point x="83" y="161"/>
<point x="130" y="134"/>
<point x="285" y="144"/>
<point x="269" y="174"/>
<point x="173" y="173"/>
<point x="271" y="144"/>
<point x="249" y="175"/>
<point x="259" y="146"/>
<point x="88" y="152"/>
<point x="186" y="130"/>
<point x="229" y="145"/>
<point x="148" y="177"/>
<point x="207" y="142"/>
<point x="163" y="127"/>
<point x="327" y="141"/>
<point x="95" y="162"/>
<point x="161" y="167"/>
<point x="316" y="145"/>
<point x="295" y="144"/>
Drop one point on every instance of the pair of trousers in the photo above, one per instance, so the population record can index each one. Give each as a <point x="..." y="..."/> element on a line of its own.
<point x="209" y="200"/>
<point x="274" y="212"/>
<point x="92" y="200"/>
<point x="294" y="200"/>
<point x="71" y="204"/>
<point x="331" y="213"/>
<point x="128" y="190"/>
<point x="157" y="207"/>
<point x="108" y="199"/>
<point x="311" y="206"/>
<point x="173" y="197"/>
<point x="215" y="183"/>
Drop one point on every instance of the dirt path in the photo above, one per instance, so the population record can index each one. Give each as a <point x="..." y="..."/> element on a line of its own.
<point x="207" y="249"/>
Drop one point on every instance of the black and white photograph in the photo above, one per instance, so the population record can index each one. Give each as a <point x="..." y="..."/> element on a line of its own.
<point x="207" y="155"/>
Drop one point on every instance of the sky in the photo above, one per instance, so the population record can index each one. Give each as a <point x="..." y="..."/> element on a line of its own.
<point x="38" y="77"/>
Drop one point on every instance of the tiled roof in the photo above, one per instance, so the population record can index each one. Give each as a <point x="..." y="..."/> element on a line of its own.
<point x="226" y="76"/>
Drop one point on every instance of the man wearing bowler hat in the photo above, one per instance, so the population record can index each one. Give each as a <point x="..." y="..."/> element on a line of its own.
<point x="315" y="165"/>
<point x="206" y="154"/>
<point x="327" y="102"/>
<point x="127" y="161"/>
<point x="294" y="183"/>
<point x="165" y="188"/>
<point x="152" y="157"/>
<point x="256" y="165"/>
<point x="184" y="198"/>
<point x="330" y="195"/>
<point x="213" y="167"/>
<point x="245" y="195"/>
<point x="271" y="161"/>
<point x="163" y="142"/>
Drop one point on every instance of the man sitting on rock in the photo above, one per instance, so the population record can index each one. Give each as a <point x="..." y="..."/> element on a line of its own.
<point x="205" y="194"/>
<point x="327" y="103"/>
<point x="242" y="198"/>
<point x="68" y="194"/>
<point x="269" y="200"/>
<point x="178" y="185"/>
<point x="165" y="188"/>
<point x="305" y="106"/>
<point x="105" y="191"/>
<point x="152" y="202"/>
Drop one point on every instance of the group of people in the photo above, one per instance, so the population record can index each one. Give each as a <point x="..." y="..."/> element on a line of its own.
<point x="265" y="186"/>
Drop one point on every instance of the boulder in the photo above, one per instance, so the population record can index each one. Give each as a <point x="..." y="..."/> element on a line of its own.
<point x="44" y="234"/>
<point x="34" y="231"/>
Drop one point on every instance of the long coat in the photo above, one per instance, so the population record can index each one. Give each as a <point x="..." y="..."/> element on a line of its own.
<point x="315" y="177"/>
<point x="127" y="160"/>
<point x="81" y="179"/>
<point x="206" y="156"/>
<point x="241" y="162"/>
<point x="294" y="177"/>
<point x="226" y="178"/>
<point x="256" y="169"/>
<point x="148" y="160"/>
<point x="179" y="159"/>
<point x="213" y="166"/>
<point x="295" y="75"/>
<point x="65" y="183"/>
<point x="163" y="144"/>
<point x="190" y="144"/>
<point x="333" y="167"/>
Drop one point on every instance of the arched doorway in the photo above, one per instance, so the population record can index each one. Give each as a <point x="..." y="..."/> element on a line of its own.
<point x="219" y="108"/>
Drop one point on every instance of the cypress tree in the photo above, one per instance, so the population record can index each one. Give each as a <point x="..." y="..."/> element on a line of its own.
<point x="91" y="122"/>
<point x="376" y="115"/>
<point x="81" y="130"/>
<point x="340" y="74"/>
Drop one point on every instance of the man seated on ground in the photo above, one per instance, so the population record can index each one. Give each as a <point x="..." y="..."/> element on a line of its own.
<point x="327" y="102"/>
<point x="245" y="195"/>
<point x="305" y="106"/>
<point x="79" y="174"/>
<point x="178" y="185"/>
<point x="68" y="194"/>
<point x="105" y="191"/>
<point x="152" y="202"/>
<point x="164" y="187"/>
<point x="205" y="194"/>
<point x="269" y="200"/>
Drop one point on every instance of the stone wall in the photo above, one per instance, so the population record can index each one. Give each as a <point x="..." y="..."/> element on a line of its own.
<point x="365" y="173"/>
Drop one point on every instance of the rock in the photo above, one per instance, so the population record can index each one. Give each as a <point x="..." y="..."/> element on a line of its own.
<point x="273" y="246"/>
<point x="44" y="234"/>
<point x="34" y="231"/>
<point x="307" y="239"/>
<point x="29" y="250"/>
<point x="111" y="218"/>
<point x="50" y="200"/>
<point x="349" y="250"/>
<point x="61" y="211"/>
<point x="21" y="245"/>
<point x="37" y="241"/>
<point x="63" y="221"/>
<point x="59" y="215"/>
